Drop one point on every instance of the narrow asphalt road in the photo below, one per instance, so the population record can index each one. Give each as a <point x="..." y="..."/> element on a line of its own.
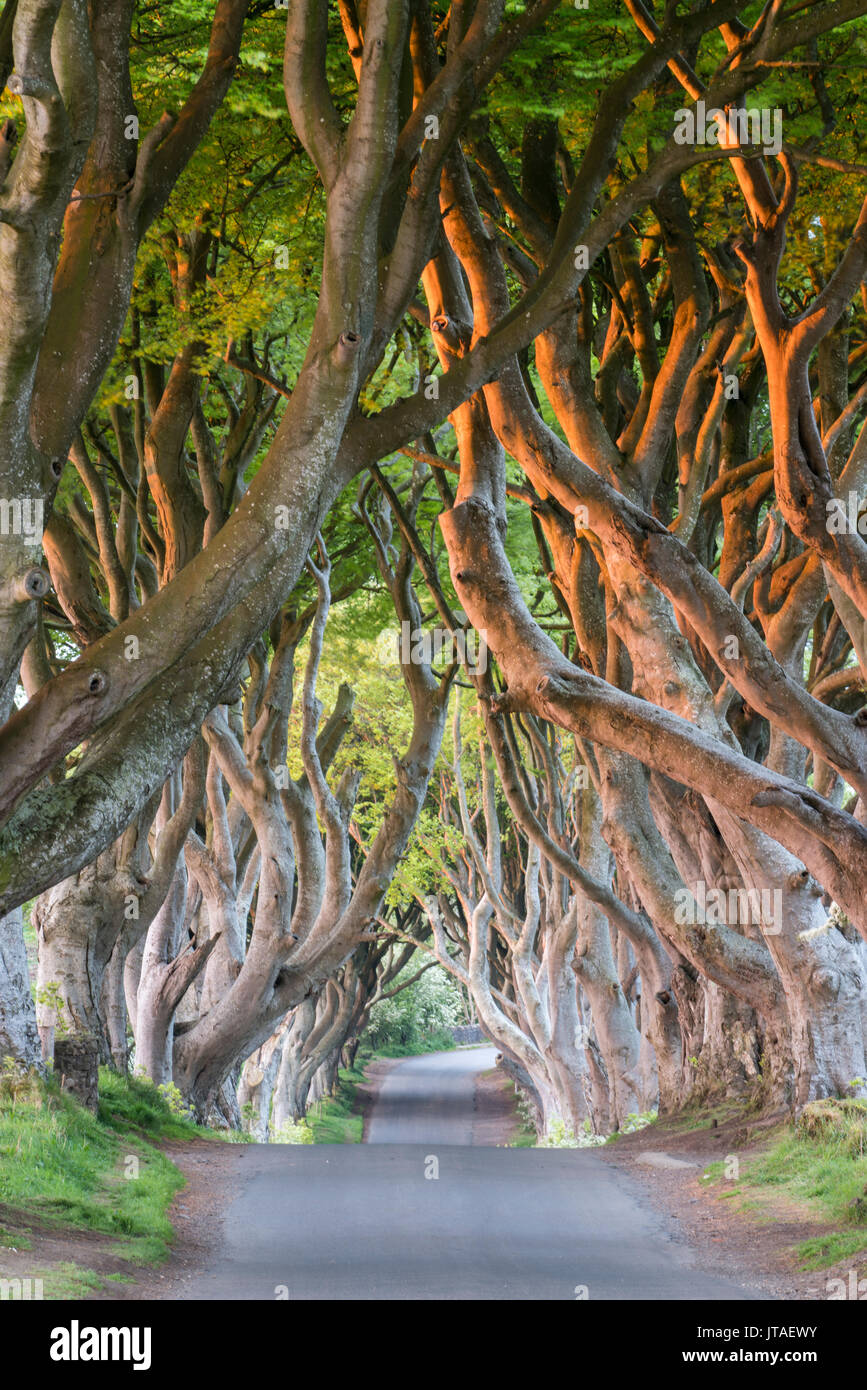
<point x="429" y="1099"/>
<point x="434" y="1218"/>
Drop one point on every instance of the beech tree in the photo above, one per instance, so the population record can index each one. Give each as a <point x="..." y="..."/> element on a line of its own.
<point x="569" y="355"/>
<point x="299" y="1063"/>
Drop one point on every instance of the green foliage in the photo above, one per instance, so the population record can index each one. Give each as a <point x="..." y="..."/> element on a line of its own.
<point x="135" y="1102"/>
<point x="293" y="1132"/>
<point x="635" y="1121"/>
<point x="440" y="1040"/>
<point x="334" y="1119"/>
<point x="416" y="1019"/>
<point x="560" y="1136"/>
<point x="526" y="1137"/>
<point x="18" y="1084"/>
<point x="559" y="70"/>
<point x="50" y="997"/>
<point x="175" y="1101"/>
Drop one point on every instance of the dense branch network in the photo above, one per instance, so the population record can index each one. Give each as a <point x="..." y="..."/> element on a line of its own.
<point x="575" y="398"/>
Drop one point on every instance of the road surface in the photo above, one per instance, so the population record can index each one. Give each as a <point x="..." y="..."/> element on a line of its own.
<point x="435" y="1218"/>
<point x="429" y="1099"/>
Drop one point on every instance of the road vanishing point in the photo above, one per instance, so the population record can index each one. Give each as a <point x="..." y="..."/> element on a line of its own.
<point x="418" y="1212"/>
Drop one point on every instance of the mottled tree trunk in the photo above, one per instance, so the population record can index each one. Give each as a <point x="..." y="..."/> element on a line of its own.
<point x="78" y="924"/>
<point x="614" y="1025"/>
<point x="19" y="1037"/>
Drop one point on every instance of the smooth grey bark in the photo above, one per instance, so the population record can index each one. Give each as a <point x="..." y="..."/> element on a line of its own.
<point x="19" y="1038"/>
<point x="256" y="1084"/>
<point x="77" y="925"/>
<point x="614" y="1025"/>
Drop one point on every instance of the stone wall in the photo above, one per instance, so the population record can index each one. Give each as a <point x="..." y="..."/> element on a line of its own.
<point x="468" y="1033"/>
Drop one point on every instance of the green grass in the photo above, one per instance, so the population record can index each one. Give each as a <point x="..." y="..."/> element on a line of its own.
<point x="68" y="1280"/>
<point x="525" y="1136"/>
<point x="822" y="1161"/>
<point x="820" y="1164"/>
<point x="440" y="1041"/>
<point x="822" y="1251"/>
<point x="699" y="1116"/>
<point x="65" y="1166"/>
<point x="60" y="1281"/>
<point x="334" y="1119"/>
<point x="524" y="1139"/>
<point x="11" y="1240"/>
<point x="131" y="1102"/>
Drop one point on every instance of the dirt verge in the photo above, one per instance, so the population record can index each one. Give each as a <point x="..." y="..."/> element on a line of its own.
<point x="496" y="1121"/>
<point x="754" y="1243"/>
<point x="59" y="1254"/>
<point x="367" y="1091"/>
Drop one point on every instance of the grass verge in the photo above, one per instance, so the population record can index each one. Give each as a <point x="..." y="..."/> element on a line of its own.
<point x="817" y="1168"/>
<point x="335" y="1119"/>
<point x="439" y="1041"/>
<point x="525" y="1136"/>
<point x="63" y="1167"/>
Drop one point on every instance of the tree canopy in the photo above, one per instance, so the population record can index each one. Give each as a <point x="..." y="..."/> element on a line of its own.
<point x="432" y="529"/>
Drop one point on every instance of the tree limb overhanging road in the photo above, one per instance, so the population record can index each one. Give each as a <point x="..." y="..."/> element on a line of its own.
<point x="373" y="1222"/>
<point x="433" y="608"/>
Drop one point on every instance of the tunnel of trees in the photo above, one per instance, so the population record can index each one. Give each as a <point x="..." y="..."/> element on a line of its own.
<point x="432" y="530"/>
